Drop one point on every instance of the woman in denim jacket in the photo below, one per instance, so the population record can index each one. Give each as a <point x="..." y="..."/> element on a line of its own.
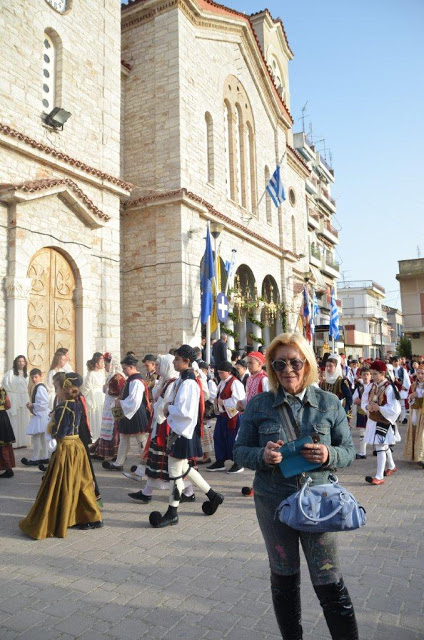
<point x="295" y="408"/>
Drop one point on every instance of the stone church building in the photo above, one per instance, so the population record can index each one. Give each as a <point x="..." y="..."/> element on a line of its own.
<point x="122" y="133"/>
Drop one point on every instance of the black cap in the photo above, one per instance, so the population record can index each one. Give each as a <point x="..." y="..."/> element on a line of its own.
<point x="75" y="378"/>
<point x="224" y="366"/>
<point x="203" y="365"/>
<point x="186" y="352"/>
<point x="149" y="358"/>
<point x="130" y="361"/>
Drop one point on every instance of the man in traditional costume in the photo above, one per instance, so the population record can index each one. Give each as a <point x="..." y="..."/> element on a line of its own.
<point x="362" y="385"/>
<point x="336" y="383"/>
<point x="382" y="406"/>
<point x="241" y="368"/>
<point x="150" y="376"/>
<point x="184" y="415"/>
<point x="136" y="410"/>
<point x="230" y="392"/>
<point x="403" y="383"/>
<point x="37" y="426"/>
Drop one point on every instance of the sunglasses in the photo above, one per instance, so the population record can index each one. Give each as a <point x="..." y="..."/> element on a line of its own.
<point x="295" y="364"/>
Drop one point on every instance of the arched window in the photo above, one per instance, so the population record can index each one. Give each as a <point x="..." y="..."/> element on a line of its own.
<point x="268" y="197"/>
<point x="51" y="71"/>
<point x="239" y="154"/>
<point x="228" y="151"/>
<point x="250" y="168"/>
<point x="240" y="157"/>
<point x="278" y="76"/>
<point x="293" y="223"/>
<point x="209" y="148"/>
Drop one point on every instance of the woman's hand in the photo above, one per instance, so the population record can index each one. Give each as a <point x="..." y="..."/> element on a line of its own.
<point x="315" y="452"/>
<point x="272" y="454"/>
<point x="117" y="402"/>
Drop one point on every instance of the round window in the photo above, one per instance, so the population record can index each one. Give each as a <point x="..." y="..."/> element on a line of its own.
<point x="292" y="197"/>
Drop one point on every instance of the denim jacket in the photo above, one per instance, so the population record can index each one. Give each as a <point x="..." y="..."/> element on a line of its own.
<point x="321" y="413"/>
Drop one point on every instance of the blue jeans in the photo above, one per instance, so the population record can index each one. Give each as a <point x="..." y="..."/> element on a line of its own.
<point x="282" y="545"/>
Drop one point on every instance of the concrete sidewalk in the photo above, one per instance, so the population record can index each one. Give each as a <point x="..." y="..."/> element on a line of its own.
<point x="206" y="578"/>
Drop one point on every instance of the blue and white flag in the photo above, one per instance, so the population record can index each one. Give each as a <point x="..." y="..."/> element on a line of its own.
<point x="275" y="187"/>
<point x="315" y="312"/>
<point x="334" y="318"/>
<point x="207" y="273"/>
<point x="305" y="303"/>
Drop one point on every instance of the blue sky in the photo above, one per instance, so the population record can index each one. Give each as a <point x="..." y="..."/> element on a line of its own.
<point x="359" y="65"/>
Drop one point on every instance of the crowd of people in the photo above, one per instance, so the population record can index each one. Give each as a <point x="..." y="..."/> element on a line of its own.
<point x="182" y="411"/>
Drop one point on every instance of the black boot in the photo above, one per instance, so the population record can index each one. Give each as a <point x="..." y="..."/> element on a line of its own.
<point x="285" y="592"/>
<point x="338" y="610"/>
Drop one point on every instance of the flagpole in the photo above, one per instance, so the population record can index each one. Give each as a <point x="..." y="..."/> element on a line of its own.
<point x="208" y="340"/>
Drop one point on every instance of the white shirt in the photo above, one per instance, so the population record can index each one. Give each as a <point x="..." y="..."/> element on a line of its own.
<point x="133" y="401"/>
<point x="184" y="410"/>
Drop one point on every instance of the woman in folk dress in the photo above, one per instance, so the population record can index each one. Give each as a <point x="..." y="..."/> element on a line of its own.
<point x="92" y="390"/>
<point x="108" y="442"/>
<point x="414" y="445"/>
<point x="15" y="383"/>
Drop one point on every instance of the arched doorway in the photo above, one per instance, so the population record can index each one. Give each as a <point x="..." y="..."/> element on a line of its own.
<point x="271" y="315"/>
<point x="51" y="309"/>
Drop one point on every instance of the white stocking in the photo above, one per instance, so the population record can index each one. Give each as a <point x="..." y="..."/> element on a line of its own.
<point x="381" y="462"/>
<point x="390" y="461"/>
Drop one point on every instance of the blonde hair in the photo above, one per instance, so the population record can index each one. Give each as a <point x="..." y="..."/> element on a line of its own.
<point x="294" y="339"/>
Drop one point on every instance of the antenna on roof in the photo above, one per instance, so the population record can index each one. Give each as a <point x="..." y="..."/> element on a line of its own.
<point x="304" y="114"/>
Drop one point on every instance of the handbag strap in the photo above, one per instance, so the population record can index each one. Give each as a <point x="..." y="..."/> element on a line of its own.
<point x="324" y="518"/>
<point x="288" y="422"/>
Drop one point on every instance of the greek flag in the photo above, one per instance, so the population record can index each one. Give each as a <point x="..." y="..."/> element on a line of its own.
<point x="334" y="318"/>
<point x="315" y="312"/>
<point x="275" y="187"/>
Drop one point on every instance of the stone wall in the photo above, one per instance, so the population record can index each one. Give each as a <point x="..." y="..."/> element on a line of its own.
<point x="89" y="36"/>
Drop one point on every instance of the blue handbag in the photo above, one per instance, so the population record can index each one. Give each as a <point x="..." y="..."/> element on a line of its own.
<point x="322" y="508"/>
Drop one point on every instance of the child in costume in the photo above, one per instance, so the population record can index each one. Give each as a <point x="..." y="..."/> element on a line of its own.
<point x="39" y="407"/>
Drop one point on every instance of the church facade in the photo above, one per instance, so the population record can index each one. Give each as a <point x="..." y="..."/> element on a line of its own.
<point x="206" y="121"/>
<point x="123" y="132"/>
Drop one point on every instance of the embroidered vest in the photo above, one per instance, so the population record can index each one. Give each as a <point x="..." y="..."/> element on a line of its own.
<point x="254" y="385"/>
<point x="225" y="394"/>
<point x="34" y="391"/>
<point x="378" y="395"/>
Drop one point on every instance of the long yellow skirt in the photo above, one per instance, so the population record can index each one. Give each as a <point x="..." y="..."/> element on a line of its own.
<point x="414" y="442"/>
<point x="66" y="496"/>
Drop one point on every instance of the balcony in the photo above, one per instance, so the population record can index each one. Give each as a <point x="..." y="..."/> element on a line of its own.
<point x="331" y="267"/>
<point x="329" y="232"/>
<point x="315" y="256"/>
<point x="313" y="219"/>
<point x="311" y="185"/>
<point x="304" y="146"/>
<point x="327" y="200"/>
<point x="324" y="168"/>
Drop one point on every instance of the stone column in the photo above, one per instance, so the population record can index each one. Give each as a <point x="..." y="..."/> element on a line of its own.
<point x="241" y="330"/>
<point x="266" y="335"/>
<point x="256" y="330"/>
<point x="278" y="323"/>
<point x="84" y="322"/>
<point x="17" y="292"/>
<point x="229" y="323"/>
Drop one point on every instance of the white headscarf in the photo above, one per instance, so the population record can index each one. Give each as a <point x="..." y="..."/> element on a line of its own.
<point x="338" y="373"/>
<point x="166" y="372"/>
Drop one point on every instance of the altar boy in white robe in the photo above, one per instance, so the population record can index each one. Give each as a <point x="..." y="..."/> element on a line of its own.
<point x="184" y="415"/>
<point x="39" y="407"/>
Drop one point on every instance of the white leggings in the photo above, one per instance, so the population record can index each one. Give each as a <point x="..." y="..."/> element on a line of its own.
<point x="176" y="468"/>
<point x="39" y="445"/>
<point x="384" y="454"/>
<point x="124" y="446"/>
<point x="362" y="448"/>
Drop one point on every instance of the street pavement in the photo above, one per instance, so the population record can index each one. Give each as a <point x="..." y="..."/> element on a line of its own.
<point x="207" y="578"/>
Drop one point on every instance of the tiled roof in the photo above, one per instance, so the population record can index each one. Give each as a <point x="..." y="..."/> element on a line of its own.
<point x="32" y="186"/>
<point x="183" y="192"/>
<point x="223" y="10"/>
<point x="59" y="155"/>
